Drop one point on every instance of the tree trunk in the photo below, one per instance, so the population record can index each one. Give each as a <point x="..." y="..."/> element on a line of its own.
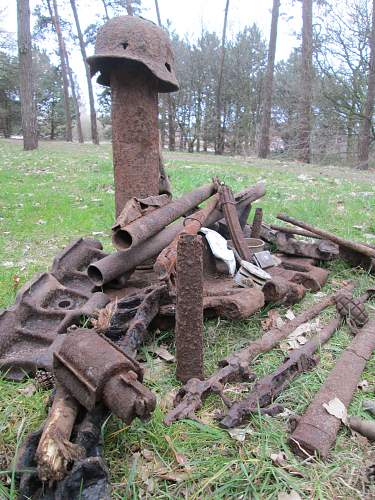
<point x="366" y="122"/>
<point x="264" y="140"/>
<point x="106" y="12"/>
<point x="129" y="7"/>
<point x="219" y="142"/>
<point x="94" y="126"/>
<point x="171" y="125"/>
<point x="304" y="129"/>
<point x="158" y="12"/>
<point x="74" y="98"/>
<point x="56" y="23"/>
<point x="28" y="107"/>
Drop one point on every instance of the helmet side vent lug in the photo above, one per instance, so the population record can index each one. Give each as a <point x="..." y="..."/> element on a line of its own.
<point x="168" y="66"/>
<point x="124" y="45"/>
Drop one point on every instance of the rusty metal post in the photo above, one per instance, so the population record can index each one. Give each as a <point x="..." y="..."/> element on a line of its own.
<point x="257" y="223"/>
<point x="189" y="308"/>
<point x="135" y="135"/>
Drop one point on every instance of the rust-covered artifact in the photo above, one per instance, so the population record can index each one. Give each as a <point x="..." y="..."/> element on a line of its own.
<point x="135" y="58"/>
<point x="361" y="253"/>
<point x="352" y="310"/>
<point x="322" y="250"/>
<point x="235" y="367"/>
<point x="364" y="427"/>
<point x="115" y="265"/>
<point x="257" y="223"/>
<point x="231" y="216"/>
<point x="45" y="307"/>
<point x="269" y="386"/>
<point x="94" y="369"/>
<point x="317" y="429"/>
<point x="189" y="308"/>
<point x="55" y="451"/>
<point x="129" y="235"/>
<point x="295" y="231"/>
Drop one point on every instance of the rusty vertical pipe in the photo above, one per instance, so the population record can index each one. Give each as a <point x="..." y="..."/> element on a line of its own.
<point x="189" y="308"/>
<point x="257" y="223"/>
<point x="135" y="134"/>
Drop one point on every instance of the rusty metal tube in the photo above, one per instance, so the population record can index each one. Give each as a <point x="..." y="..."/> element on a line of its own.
<point x="144" y="227"/>
<point x="117" y="264"/>
<point x="316" y="431"/>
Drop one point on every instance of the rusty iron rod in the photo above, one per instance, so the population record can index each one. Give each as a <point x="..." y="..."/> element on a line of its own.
<point x="189" y="308"/>
<point x="317" y="429"/>
<point x="115" y="265"/>
<point x="257" y="223"/>
<point x="293" y="230"/>
<point x="144" y="227"/>
<point x="353" y="245"/>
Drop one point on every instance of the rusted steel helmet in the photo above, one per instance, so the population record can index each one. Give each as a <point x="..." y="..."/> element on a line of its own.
<point x="133" y="39"/>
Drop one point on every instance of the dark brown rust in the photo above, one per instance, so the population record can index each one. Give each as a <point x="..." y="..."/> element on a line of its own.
<point x="138" y="207"/>
<point x="294" y="231"/>
<point x="94" y="369"/>
<point x="364" y="427"/>
<point x="268" y="387"/>
<point x="189" y="308"/>
<point x="45" y="307"/>
<point x="351" y="245"/>
<point x="231" y="216"/>
<point x="280" y="290"/>
<point x="322" y="250"/>
<point x="257" y="223"/>
<point x="137" y="328"/>
<point x="317" y="429"/>
<point x="116" y="265"/>
<point x="141" y="229"/>
<point x="235" y="367"/>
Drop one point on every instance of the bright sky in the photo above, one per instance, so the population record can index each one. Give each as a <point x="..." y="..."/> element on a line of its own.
<point x="188" y="17"/>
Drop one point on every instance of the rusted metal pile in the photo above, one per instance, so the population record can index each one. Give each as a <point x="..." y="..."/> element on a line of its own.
<point x="176" y="263"/>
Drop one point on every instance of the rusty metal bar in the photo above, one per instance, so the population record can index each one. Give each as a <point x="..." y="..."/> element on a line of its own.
<point x="189" y="308"/>
<point x="111" y="267"/>
<point x="293" y="231"/>
<point x="257" y="223"/>
<point x="353" y="245"/>
<point x="317" y="429"/>
<point x="135" y="134"/>
<point x="125" y="237"/>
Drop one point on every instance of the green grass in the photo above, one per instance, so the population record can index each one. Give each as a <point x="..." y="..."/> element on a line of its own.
<point x="61" y="192"/>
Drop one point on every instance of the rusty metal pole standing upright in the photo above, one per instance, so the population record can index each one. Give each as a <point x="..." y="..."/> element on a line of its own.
<point x="189" y="308"/>
<point x="135" y="58"/>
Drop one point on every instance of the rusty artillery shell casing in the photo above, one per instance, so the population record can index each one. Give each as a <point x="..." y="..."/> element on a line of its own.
<point x="257" y="223"/>
<point x="135" y="135"/>
<point x="189" y="308"/>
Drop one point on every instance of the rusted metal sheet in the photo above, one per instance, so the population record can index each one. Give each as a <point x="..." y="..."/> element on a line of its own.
<point x="231" y="216"/>
<point x="45" y="307"/>
<point x="141" y="229"/>
<point x="257" y="223"/>
<point x="189" y="308"/>
<point x="317" y="429"/>
<point x="115" y="265"/>
<point x="94" y="369"/>
<point x="322" y="250"/>
<point x="235" y="367"/>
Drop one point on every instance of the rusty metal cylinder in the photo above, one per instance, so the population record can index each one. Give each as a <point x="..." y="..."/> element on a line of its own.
<point x="144" y="227"/>
<point x="117" y="264"/>
<point x="317" y="429"/>
<point x="257" y="223"/>
<point x="94" y="369"/>
<point x="189" y="308"/>
<point x="135" y="133"/>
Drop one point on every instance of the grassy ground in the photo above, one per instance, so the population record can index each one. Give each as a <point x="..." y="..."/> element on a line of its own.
<point x="61" y="192"/>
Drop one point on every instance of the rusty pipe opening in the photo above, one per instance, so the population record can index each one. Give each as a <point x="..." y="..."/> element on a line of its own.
<point x="95" y="275"/>
<point x="122" y="239"/>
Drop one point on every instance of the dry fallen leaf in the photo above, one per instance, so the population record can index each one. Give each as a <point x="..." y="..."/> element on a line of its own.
<point x="239" y="433"/>
<point x="290" y="315"/>
<point x="171" y="475"/>
<point x="162" y="352"/>
<point x="28" y="390"/>
<point x="179" y="457"/>
<point x="337" y="408"/>
<point x="281" y="460"/>
<point x="273" y="320"/>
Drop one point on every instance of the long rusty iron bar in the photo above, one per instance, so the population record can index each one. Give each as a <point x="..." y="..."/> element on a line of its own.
<point x="268" y="387"/>
<point x="231" y="217"/>
<point x="125" y="237"/>
<point x="235" y="367"/>
<point x="317" y="429"/>
<point x="293" y="231"/>
<point x="353" y="245"/>
<point x="165" y="264"/>
<point x="257" y="223"/>
<point x="111" y="267"/>
<point x="189" y="308"/>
